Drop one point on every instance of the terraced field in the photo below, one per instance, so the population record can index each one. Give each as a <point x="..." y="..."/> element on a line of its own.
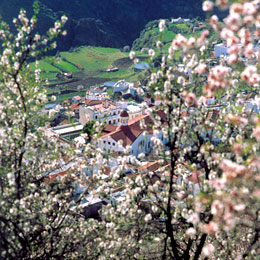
<point x="88" y="66"/>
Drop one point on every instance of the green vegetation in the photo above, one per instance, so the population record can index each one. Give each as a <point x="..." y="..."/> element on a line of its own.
<point x="90" y="130"/>
<point x="150" y="35"/>
<point x="90" y="63"/>
<point x="85" y="63"/>
<point x="93" y="58"/>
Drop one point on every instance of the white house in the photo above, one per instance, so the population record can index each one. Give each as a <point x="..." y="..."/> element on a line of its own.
<point x="124" y="87"/>
<point x="106" y="111"/>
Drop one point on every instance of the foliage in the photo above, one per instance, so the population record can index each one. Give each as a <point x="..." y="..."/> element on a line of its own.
<point x="202" y="202"/>
<point x="36" y="221"/>
<point x="89" y="130"/>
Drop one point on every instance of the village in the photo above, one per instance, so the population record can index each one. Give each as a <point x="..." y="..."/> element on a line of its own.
<point x="127" y="129"/>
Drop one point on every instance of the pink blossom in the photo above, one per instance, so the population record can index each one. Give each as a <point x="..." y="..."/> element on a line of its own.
<point x="248" y="20"/>
<point x="202" y="39"/>
<point x="226" y="33"/>
<point x="214" y="22"/>
<point x="207" y="6"/>
<point x="233" y="21"/>
<point x="217" y="207"/>
<point x="191" y="42"/>
<point x="249" y="8"/>
<point x="217" y="79"/>
<point x="229" y="221"/>
<point x="151" y="53"/>
<point x="250" y="75"/>
<point x="256" y="193"/>
<point x="236" y="8"/>
<point x="232" y="169"/>
<point x="249" y="50"/>
<point x="256" y="133"/>
<point x="238" y="148"/>
<point x="222" y="3"/>
<point x="194" y="218"/>
<point x="210" y="228"/>
<point x="218" y="184"/>
<point x="239" y="207"/>
<point x="161" y="25"/>
<point x="237" y="120"/>
<point x="191" y="232"/>
<point x="179" y="41"/>
<point x="245" y="36"/>
<point x="234" y="49"/>
<point x="189" y="98"/>
<point x="220" y="72"/>
<point x="201" y="68"/>
<point x="208" y="250"/>
<point x="232" y="59"/>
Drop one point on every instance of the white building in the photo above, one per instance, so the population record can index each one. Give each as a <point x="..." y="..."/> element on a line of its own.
<point x="130" y="135"/>
<point x="220" y="50"/>
<point x="97" y="96"/>
<point x="124" y="87"/>
<point x="132" y="108"/>
<point x="106" y="111"/>
<point x="121" y="86"/>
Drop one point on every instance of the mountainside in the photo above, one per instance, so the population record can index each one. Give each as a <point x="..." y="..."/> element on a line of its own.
<point x="113" y="23"/>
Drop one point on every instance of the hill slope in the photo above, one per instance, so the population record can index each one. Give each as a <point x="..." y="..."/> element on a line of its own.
<point x="112" y="23"/>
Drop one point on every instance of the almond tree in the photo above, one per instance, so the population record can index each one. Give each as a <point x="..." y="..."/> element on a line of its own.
<point x="202" y="202"/>
<point x="36" y="221"/>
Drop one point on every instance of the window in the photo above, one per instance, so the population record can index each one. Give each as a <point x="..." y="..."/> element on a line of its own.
<point x="109" y="143"/>
<point x="95" y="117"/>
<point x="104" y="142"/>
<point x="114" y="144"/>
<point x="118" y="120"/>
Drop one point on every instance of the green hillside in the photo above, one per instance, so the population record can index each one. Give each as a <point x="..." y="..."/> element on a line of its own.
<point x="88" y="66"/>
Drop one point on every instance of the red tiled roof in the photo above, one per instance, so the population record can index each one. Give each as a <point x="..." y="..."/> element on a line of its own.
<point x="91" y="102"/>
<point x="151" y="166"/>
<point x="109" y="129"/>
<point x="128" y="134"/>
<point x="51" y="178"/>
<point x="75" y="106"/>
